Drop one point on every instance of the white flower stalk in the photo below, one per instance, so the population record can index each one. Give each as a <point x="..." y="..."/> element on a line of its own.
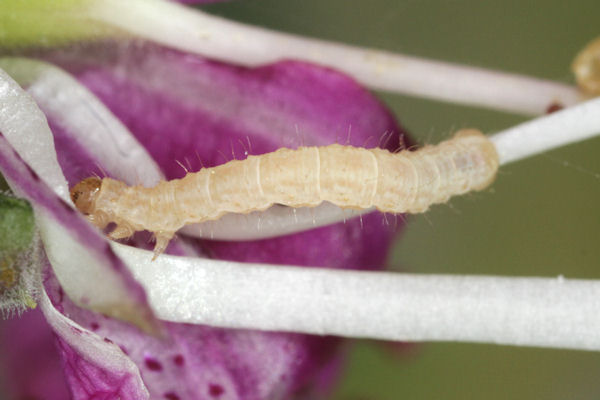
<point x="193" y="31"/>
<point x="275" y="221"/>
<point x="547" y="312"/>
<point x="558" y="129"/>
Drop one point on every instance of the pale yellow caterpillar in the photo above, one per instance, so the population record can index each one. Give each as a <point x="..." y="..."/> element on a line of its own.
<point x="350" y="177"/>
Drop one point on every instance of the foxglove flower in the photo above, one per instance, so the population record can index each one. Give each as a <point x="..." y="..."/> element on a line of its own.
<point x="401" y="306"/>
<point x="188" y="109"/>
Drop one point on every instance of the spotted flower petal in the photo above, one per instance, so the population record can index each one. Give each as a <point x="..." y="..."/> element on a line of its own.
<point x="202" y="113"/>
<point x="100" y="366"/>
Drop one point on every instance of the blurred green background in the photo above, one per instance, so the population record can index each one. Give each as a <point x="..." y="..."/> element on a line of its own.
<point x="539" y="219"/>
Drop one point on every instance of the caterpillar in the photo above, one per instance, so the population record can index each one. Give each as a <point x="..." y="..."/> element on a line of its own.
<point x="349" y="177"/>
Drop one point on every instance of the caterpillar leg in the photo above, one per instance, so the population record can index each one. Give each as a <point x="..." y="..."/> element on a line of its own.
<point x="162" y="241"/>
<point x="99" y="219"/>
<point x="122" y="231"/>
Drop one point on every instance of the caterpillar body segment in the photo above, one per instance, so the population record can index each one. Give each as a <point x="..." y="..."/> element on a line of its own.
<point x="346" y="176"/>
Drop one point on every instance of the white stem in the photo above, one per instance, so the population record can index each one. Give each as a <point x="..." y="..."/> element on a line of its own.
<point x="193" y="31"/>
<point x="558" y="129"/>
<point x="276" y="221"/>
<point x="547" y="312"/>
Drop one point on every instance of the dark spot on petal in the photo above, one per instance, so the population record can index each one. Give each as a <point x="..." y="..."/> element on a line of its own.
<point x="152" y="364"/>
<point x="215" y="390"/>
<point x="124" y="349"/>
<point x="94" y="326"/>
<point x="171" y="396"/>
<point x="34" y="175"/>
<point x="107" y="340"/>
<point x="179" y="360"/>
<point x="554" y="107"/>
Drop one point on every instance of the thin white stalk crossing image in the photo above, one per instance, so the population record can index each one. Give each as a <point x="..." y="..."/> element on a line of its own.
<point x="546" y="312"/>
<point x="201" y="33"/>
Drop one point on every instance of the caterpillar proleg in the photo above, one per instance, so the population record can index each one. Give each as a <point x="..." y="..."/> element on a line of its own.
<point x="349" y="177"/>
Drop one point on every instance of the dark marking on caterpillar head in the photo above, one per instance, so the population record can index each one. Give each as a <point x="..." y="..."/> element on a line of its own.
<point x="84" y="194"/>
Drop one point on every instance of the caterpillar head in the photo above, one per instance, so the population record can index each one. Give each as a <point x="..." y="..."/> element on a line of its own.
<point x="84" y="194"/>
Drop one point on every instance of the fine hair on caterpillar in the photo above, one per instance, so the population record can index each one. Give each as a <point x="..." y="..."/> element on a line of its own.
<point x="349" y="177"/>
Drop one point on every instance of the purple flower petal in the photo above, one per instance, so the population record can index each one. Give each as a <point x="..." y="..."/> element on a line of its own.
<point x="62" y="219"/>
<point x="62" y="216"/>
<point x="188" y="109"/>
<point x="68" y="237"/>
<point x="95" y="367"/>
<point x="202" y="113"/>
<point x="25" y="342"/>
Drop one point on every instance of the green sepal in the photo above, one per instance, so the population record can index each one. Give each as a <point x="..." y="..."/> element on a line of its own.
<point x="19" y="256"/>
<point x="41" y="23"/>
